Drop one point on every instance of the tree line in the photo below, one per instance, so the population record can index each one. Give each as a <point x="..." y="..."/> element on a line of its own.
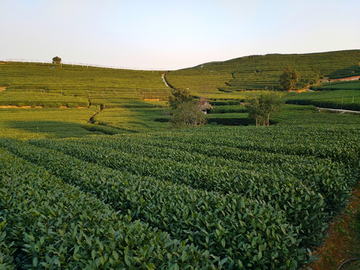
<point x="187" y="111"/>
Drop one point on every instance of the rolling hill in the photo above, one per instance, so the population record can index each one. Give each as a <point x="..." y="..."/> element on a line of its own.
<point x="260" y="72"/>
<point x="118" y="100"/>
<point x="149" y="198"/>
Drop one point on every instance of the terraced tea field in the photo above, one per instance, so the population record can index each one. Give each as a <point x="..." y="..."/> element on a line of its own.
<point x="49" y="85"/>
<point x="341" y="95"/>
<point x="39" y="100"/>
<point x="261" y="72"/>
<point x="211" y="198"/>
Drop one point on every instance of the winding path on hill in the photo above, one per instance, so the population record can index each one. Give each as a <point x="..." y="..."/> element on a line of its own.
<point x="164" y="79"/>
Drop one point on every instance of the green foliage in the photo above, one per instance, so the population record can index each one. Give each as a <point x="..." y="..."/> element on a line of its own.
<point x="188" y="114"/>
<point x="352" y="85"/>
<point x="7" y="248"/>
<point x="125" y="120"/>
<point x="178" y="97"/>
<point x="226" y="102"/>
<point x="55" y="225"/>
<point x="186" y="111"/>
<point x="336" y="99"/>
<point x="35" y="84"/>
<point x="197" y="216"/>
<point x="288" y="79"/>
<point x="252" y="197"/>
<point x="228" y="109"/>
<point x="258" y="72"/>
<point x="326" y="104"/>
<point x="45" y="122"/>
<point x="261" y="107"/>
<point x="308" y="115"/>
<point x="205" y="198"/>
<point x="50" y="224"/>
<point x="48" y="100"/>
<point x="346" y="72"/>
<point x="242" y="181"/>
<point x="74" y="82"/>
<point x="56" y="60"/>
<point x="231" y="119"/>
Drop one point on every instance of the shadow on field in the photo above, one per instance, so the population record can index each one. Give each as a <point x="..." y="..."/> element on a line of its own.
<point x="53" y="129"/>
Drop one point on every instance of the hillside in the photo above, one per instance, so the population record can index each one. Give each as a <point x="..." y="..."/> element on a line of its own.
<point x="258" y="72"/>
<point x="43" y="100"/>
<point x="67" y="85"/>
<point x="340" y="95"/>
<point x="38" y="99"/>
<point x="152" y="197"/>
<point x="73" y="86"/>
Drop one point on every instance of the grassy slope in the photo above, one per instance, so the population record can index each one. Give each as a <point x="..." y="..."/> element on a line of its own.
<point x="132" y="119"/>
<point x="45" y="122"/>
<point x="352" y="85"/>
<point x="77" y="81"/>
<point x="291" y="115"/>
<point x="130" y="98"/>
<point x="260" y="71"/>
<point x="347" y="96"/>
<point x="34" y="84"/>
<point x="339" y="96"/>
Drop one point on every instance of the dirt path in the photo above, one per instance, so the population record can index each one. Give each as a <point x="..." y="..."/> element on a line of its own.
<point x="164" y="79"/>
<point x="353" y="78"/>
<point x="343" y="242"/>
<point x="337" y="110"/>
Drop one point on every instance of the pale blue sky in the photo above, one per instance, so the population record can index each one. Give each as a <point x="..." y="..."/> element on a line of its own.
<point x="168" y="34"/>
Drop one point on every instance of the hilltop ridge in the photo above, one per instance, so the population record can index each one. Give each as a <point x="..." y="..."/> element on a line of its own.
<point x="260" y="72"/>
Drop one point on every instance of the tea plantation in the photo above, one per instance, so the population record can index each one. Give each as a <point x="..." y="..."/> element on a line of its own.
<point x="261" y="72"/>
<point x="212" y="198"/>
<point x="152" y="197"/>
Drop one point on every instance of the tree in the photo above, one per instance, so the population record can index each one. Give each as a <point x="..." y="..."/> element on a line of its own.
<point x="288" y="79"/>
<point x="261" y="107"/>
<point x="178" y="97"/>
<point x="56" y="60"/>
<point x="189" y="114"/>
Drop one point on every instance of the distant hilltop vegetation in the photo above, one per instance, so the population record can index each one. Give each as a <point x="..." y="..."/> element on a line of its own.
<point x="260" y="72"/>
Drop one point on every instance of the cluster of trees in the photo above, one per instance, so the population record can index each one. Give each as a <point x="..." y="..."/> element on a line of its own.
<point x="261" y="107"/>
<point x="189" y="112"/>
<point x="288" y="79"/>
<point x="186" y="111"/>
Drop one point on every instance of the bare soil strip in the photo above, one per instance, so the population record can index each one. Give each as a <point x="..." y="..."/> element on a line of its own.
<point x="164" y="79"/>
<point x="343" y="242"/>
<point x="15" y="107"/>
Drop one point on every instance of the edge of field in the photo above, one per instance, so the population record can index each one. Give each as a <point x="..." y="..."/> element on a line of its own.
<point x="343" y="242"/>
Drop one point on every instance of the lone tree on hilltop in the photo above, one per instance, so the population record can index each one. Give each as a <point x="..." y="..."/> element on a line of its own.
<point x="288" y="79"/>
<point x="261" y="107"/>
<point x="56" y="60"/>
